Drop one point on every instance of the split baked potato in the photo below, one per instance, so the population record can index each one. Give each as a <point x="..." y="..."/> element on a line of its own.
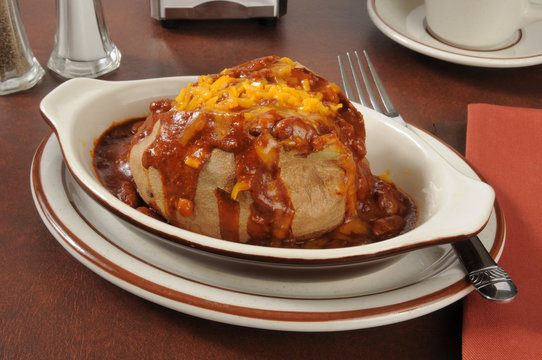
<point x="266" y="153"/>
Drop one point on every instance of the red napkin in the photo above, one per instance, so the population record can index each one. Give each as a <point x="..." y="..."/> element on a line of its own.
<point x="505" y="145"/>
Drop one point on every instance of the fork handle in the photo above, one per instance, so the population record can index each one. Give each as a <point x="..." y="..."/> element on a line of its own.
<point x="488" y="278"/>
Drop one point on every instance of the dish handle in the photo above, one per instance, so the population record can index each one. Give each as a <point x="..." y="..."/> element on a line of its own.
<point x="467" y="207"/>
<point x="57" y="106"/>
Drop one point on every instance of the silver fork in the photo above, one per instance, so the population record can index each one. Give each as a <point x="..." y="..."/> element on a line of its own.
<point x="488" y="278"/>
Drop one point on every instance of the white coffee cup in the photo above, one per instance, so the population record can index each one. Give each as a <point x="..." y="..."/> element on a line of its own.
<point x="480" y="24"/>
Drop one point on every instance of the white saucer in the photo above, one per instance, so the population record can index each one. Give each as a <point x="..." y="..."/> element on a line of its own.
<point x="404" y="22"/>
<point x="176" y="277"/>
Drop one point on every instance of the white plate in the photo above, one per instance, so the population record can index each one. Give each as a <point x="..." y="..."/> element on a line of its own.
<point x="176" y="277"/>
<point x="404" y="22"/>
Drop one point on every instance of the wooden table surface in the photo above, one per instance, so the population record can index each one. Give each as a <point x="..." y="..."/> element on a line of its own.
<point x="53" y="307"/>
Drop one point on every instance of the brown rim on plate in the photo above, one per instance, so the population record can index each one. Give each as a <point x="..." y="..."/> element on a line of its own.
<point x="515" y="39"/>
<point x="390" y="26"/>
<point x="80" y="247"/>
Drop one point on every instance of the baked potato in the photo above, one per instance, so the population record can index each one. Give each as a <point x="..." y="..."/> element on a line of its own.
<point x="266" y="153"/>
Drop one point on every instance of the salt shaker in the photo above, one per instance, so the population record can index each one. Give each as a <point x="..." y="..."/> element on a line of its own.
<point x="82" y="47"/>
<point x="19" y="69"/>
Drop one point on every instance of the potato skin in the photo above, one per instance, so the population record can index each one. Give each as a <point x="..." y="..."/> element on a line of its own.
<point x="313" y="186"/>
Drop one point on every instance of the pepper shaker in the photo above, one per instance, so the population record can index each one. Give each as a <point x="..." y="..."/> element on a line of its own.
<point x="19" y="69"/>
<point x="82" y="47"/>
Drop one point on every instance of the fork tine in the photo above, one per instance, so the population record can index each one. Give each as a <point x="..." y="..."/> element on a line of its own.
<point x="368" y="87"/>
<point x="390" y="109"/>
<point x="361" y="95"/>
<point x="346" y="83"/>
<point x="375" y="100"/>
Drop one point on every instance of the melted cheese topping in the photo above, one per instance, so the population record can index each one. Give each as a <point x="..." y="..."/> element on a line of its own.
<point x="284" y="94"/>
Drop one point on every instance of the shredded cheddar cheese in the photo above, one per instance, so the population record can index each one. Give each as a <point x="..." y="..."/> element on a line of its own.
<point x="254" y="97"/>
<point x="185" y="207"/>
<point x="239" y="186"/>
<point x="386" y="176"/>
